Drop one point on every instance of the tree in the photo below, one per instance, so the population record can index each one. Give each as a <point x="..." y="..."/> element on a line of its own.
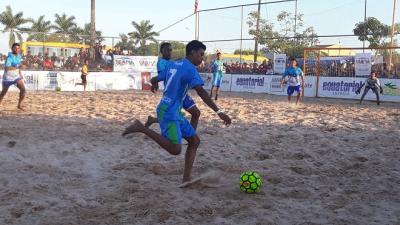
<point x="41" y="28"/>
<point x="125" y="43"/>
<point x="86" y="33"/>
<point x="143" y="33"/>
<point x="66" y="28"/>
<point x="12" y="24"/>
<point x="373" y="31"/>
<point x="178" y="50"/>
<point x="281" y="40"/>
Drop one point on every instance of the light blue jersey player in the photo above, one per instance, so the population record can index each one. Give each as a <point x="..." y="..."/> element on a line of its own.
<point x="188" y="103"/>
<point x="179" y="77"/>
<point x="295" y="80"/>
<point x="13" y="74"/>
<point x="217" y="69"/>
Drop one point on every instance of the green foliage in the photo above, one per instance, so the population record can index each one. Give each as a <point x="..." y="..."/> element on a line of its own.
<point x="12" y="24"/>
<point x="142" y="34"/>
<point x="278" y="41"/>
<point x="373" y="31"/>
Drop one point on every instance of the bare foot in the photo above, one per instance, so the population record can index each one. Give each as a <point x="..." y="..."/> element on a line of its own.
<point x="21" y="108"/>
<point x="150" y="121"/>
<point x="137" y="126"/>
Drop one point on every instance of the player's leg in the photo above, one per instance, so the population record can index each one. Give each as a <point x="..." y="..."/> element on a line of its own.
<point x="193" y="143"/>
<point x="366" y="89"/>
<point x="173" y="147"/>
<point x="190" y="106"/>
<point x="298" y="90"/>
<point x="376" y="91"/>
<point x="3" y="91"/>
<point x="22" y="92"/>
<point x="150" y="121"/>
<point x="216" y="93"/>
<point x="290" y="91"/>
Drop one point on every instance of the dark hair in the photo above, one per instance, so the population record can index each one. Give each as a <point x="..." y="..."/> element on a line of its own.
<point x="292" y="59"/>
<point x="15" y="44"/>
<point x="374" y="71"/>
<point x="194" y="46"/>
<point x="164" y="45"/>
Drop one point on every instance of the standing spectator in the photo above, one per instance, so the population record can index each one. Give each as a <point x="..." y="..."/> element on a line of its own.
<point x="54" y="57"/>
<point x="82" y="55"/>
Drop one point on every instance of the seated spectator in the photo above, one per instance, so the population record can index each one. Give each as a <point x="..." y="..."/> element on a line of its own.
<point x="48" y="64"/>
<point x="269" y="70"/>
<point x="58" y="64"/>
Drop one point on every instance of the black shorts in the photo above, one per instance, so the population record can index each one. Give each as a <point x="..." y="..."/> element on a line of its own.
<point x="83" y="77"/>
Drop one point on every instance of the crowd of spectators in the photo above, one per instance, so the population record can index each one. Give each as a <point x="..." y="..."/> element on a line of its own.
<point x="52" y="62"/>
<point x="241" y="68"/>
<point x="104" y="62"/>
<point x="332" y="69"/>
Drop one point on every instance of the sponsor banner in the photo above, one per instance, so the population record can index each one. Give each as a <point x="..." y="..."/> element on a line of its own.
<point x="339" y="87"/>
<point x="146" y="84"/>
<point x="31" y="80"/>
<point x="275" y="85"/>
<point x="129" y="80"/>
<point x="391" y="90"/>
<point x="135" y="63"/>
<point x="225" y="85"/>
<point x="276" y="89"/>
<point x="279" y="63"/>
<point x="111" y="81"/>
<point x="345" y="87"/>
<point x="363" y="64"/>
<point x="250" y="83"/>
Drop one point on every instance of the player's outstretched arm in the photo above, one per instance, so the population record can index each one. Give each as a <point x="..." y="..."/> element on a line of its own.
<point x="206" y="99"/>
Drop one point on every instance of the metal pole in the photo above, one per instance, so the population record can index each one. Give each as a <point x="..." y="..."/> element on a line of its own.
<point x="195" y="25"/>
<point x="92" y="28"/>
<point x="257" y="32"/>
<point x="198" y="25"/>
<point x="241" y="35"/>
<point x="365" y="24"/>
<point x="304" y="67"/>
<point x="295" y="21"/>
<point x="318" y="71"/>
<point x="295" y="27"/>
<point x="391" y="38"/>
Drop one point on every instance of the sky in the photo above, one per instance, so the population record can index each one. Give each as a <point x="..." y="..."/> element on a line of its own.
<point x="114" y="17"/>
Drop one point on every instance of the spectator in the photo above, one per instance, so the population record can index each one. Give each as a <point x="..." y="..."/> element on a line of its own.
<point x="48" y="64"/>
<point x="58" y="64"/>
<point x="54" y="57"/>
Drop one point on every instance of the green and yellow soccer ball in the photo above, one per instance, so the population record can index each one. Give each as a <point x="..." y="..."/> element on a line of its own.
<point x="250" y="182"/>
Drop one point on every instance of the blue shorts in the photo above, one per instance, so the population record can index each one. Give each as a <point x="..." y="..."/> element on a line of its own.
<point x="8" y="83"/>
<point x="216" y="82"/>
<point x="188" y="103"/>
<point x="175" y="130"/>
<point x="291" y="89"/>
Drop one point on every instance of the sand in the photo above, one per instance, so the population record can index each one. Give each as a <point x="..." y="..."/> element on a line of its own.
<point x="326" y="161"/>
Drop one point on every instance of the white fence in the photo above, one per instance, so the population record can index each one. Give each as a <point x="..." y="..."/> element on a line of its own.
<point x="332" y="87"/>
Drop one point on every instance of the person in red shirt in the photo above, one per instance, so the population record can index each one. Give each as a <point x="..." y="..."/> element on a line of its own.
<point x="48" y="64"/>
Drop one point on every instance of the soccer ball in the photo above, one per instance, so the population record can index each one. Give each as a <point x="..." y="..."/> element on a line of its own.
<point x="250" y="182"/>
